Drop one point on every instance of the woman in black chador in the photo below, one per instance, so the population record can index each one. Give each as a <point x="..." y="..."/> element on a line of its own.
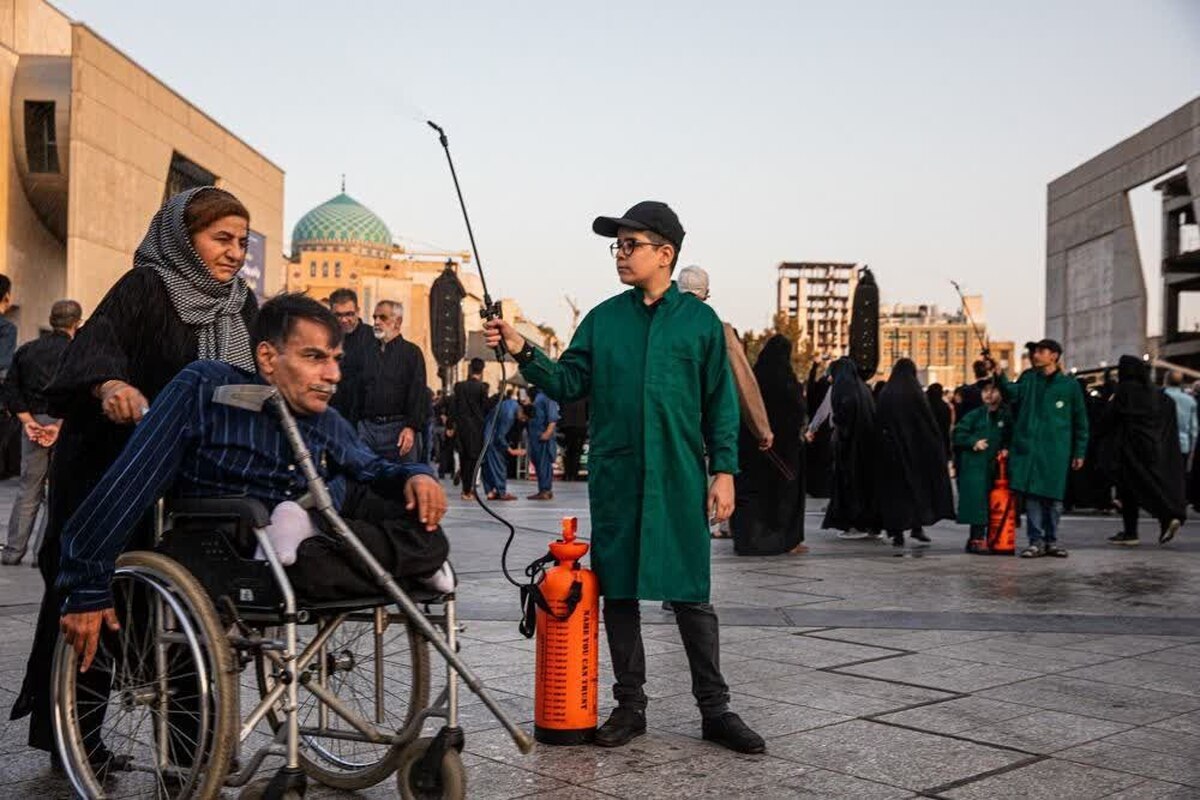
<point x="942" y="415"/>
<point x="1139" y="451"/>
<point x="852" y="503"/>
<point x="914" y="482"/>
<point x="768" y="518"/>
<point x="183" y="300"/>
<point x="818" y="457"/>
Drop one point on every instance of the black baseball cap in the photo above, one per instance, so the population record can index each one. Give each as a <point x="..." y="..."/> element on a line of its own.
<point x="648" y="215"/>
<point x="1046" y="344"/>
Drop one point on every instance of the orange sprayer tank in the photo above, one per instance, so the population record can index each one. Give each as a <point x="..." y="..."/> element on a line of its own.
<point x="568" y="646"/>
<point x="1002" y="515"/>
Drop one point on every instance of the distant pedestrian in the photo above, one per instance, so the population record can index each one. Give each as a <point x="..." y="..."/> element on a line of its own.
<point x="395" y="402"/>
<point x="573" y="423"/>
<point x="980" y="438"/>
<point x="543" y="446"/>
<point x="1050" y="438"/>
<point x="768" y="511"/>
<point x="818" y="455"/>
<point x="33" y="365"/>
<point x="1185" y="412"/>
<point x="942" y="415"/>
<point x="8" y="330"/>
<point x="971" y="394"/>
<point x="468" y="408"/>
<point x="1139" y="450"/>
<point x="852" y="503"/>
<point x="359" y="348"/>
<point x="914" y="481"/>
<point x="501" y="420"/>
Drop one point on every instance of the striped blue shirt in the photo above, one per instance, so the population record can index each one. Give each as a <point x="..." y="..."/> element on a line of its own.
<point x="189" y="446"/>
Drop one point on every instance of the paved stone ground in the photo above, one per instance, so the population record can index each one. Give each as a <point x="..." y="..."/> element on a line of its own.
<point x="873" y="673"/>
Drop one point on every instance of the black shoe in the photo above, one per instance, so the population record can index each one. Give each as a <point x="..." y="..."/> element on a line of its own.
<point x="623" y="726"/>
<point x="897" y="540"/>
<point x="1124" y="540"/>
<point x="728" y="730"/>
<point x="921" y="536"/>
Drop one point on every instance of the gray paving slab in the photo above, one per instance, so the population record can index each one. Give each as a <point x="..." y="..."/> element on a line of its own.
<point x="958" y="715"/>
<point x="1095" y="699"/>
<point x="843" y="694"/>
<point x="950" y="674"/>
<point x="807" y="651"/>
<point x="1008" y="653"/>
<point x="1046" y="780"/>
<point x="1187" y="655"/>
<point x="902" y="639"/>
<point x="1044" y="732"/>
<point x="1184" y="723"/>
<point x="1162" y="755"/>
<point x="1157" y="790"/>
<point x="891" y="755"/>
<point x="1158" y="675"/>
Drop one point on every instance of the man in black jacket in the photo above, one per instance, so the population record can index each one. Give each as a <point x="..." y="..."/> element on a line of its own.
<point x="395" y="403"/>
<point x="33" y="365"/>
<point x="358" y="347"/>
<point x="467" y="411"/>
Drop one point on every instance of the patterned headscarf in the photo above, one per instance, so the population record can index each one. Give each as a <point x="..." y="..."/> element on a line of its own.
<point x="213" y="309"/>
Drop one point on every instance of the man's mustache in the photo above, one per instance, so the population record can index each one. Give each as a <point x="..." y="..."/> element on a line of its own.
<point x="324" y="388"/>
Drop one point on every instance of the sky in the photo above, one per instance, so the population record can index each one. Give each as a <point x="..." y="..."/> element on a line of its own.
<point x="917" y="137"/>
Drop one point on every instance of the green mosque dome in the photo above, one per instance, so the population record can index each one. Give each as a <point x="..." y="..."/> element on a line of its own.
<point x="342" y="220"/>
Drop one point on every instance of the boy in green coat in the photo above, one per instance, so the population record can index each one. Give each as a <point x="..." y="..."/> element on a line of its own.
<point x="1050" y="436"/>
<point x="979" y="438"/>
<point x="653" y="365"/>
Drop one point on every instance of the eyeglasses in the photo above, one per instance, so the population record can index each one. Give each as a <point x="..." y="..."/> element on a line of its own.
<point x="626" y="246"/>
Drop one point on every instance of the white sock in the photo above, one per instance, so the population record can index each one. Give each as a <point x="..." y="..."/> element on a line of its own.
<point x="444" y="580"/>
<point x="289" y="527"/>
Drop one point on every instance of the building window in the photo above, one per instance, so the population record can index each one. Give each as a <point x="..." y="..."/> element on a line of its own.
<point x="41" y="137"/>
<point x="324" y="269"/>
<point x="186" y="174"/>
<point x="312" y="269"/>
<point x="337" y="269"/>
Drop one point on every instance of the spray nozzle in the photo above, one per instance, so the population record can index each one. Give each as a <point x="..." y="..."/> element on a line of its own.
<point x="570" y="525"/>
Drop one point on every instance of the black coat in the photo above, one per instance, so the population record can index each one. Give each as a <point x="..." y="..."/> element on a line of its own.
<point x="134" y="335"/>
<point x="768" y="516"/>
<point x="359" y="348"/>
<point x="818" y="454"/>
<point x="914" y="483"/>
<point x="1139" y="444"/>
<point x="855" y="446"/>
<point x="467" y="412"/>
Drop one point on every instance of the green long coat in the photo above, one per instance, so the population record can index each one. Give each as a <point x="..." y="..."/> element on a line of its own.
<point x="661" y="393"/>
<point x="1050" y="430"/>
<point x="977" y="470"/>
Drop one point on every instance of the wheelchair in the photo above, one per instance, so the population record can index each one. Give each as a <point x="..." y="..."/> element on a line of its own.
<point x="203" y="625"/>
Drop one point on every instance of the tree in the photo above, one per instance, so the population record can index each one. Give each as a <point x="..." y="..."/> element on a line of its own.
<point x="803" y="354"/>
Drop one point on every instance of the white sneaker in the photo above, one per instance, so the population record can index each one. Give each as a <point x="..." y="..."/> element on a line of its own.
<point x="852" y="534"/>
<point x="443" y="581"/>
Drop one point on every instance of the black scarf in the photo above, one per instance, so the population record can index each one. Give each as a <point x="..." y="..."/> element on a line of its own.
<point x="211" y="308"/>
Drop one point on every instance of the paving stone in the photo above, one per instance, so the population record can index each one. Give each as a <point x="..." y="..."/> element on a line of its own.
<point x="1112" y="754"/>
<point x="807" y="651"/>
<point x="1159" y="741"/>
<point x="1046" y="780"/>
<point x="1008" y="653"/>
<point x="940" y="672"/>
<point x="902" y="639"/>
<point x="891" y="755"/>
<point x="956" y="716"/>
<point x="1094" y="699"/>
<point x="581" y="765"/>
<point x="1184" y="723"/>
<point x="844" y="694"/>
<point x="1044" y="732"/>
<point x="1164" y="677"/>
<point x="1157" y="790"/>
<point x="1128" y="645"/>
<point x="487" y="780"/>
<point x="570" y="793"/>
<point x="1187" y="655"/>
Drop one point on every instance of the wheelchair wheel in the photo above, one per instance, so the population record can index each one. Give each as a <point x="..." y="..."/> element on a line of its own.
<point x="329" y="751"/>
<point x="156" y="714"/>
<point x="449" y="784"/>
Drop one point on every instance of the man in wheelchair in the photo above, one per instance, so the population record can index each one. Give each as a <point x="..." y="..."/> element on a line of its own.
<point x="190" y="446"/>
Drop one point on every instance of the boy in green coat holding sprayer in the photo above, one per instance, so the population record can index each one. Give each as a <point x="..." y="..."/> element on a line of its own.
<point x="980" y="438"/>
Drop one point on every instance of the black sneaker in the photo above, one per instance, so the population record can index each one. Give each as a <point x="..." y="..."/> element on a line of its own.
<point x="623" y="726"/>
<point x="728" y="730"/>
<point x="897" y="540"/>
<point x="1124" y="540"/>
<point x="1169" y="532"/>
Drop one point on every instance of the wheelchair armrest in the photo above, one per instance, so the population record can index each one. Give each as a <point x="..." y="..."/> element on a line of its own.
<point x="250" y="511"/>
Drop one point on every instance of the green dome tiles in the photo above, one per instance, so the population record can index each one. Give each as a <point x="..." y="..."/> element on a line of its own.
<point x="342" y="219"/>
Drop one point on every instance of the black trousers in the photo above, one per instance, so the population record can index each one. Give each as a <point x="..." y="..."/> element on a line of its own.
<point x="701" y="634"/>
<point x="1130" y="505"/>
<point x="573" y="441"/>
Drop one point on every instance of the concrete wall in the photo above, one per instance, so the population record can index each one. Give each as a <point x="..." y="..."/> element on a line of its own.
<point x="125" y="124"/>
<point x="1095" y="291"/>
